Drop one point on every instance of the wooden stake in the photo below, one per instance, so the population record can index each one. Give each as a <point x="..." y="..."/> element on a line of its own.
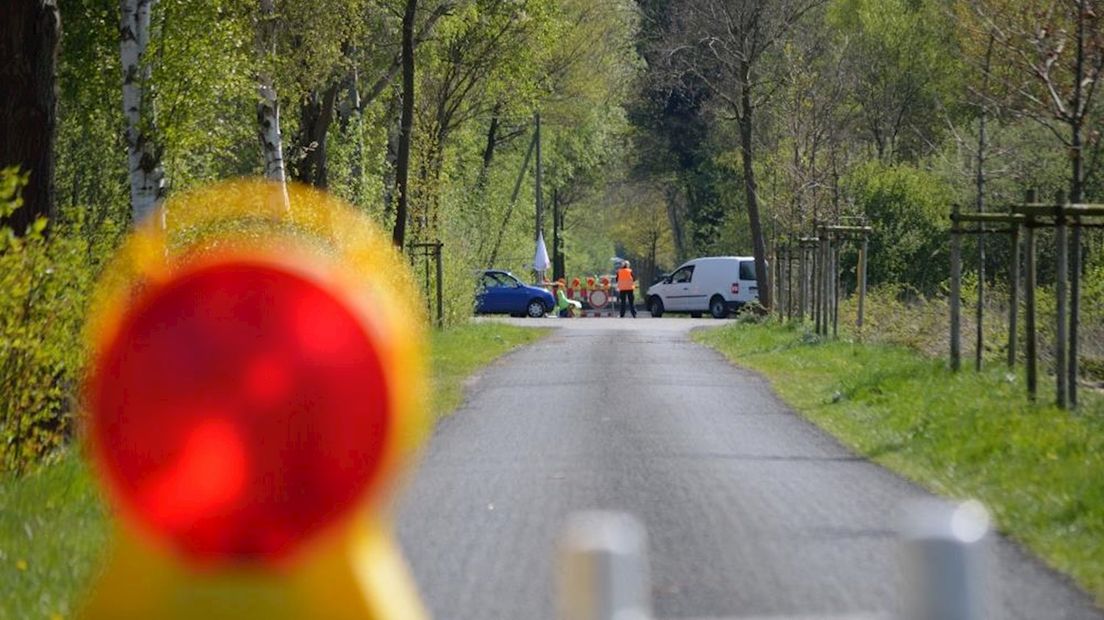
<point x="956" y="291"/>
<point x="862" y="283"/>
<point x="818" y="263"/>
<point x="1030" y="326"/>
<point x="825" y="268"/>
<point x="789" y="282"/>
<point x="1014" y="296"/>
<point x="1074" y="309"/>
<point x="835" y="287"/>
<point x="802" y="284"/>
<point x="1061" y="252"/>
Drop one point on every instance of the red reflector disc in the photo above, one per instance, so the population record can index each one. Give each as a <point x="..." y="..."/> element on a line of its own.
<point x="239" y="409"/>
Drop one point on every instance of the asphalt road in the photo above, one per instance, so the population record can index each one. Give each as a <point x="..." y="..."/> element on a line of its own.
<point x="750" y="510"/>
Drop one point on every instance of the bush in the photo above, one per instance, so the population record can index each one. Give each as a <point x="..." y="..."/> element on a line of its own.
<point x="908" y="209"/>
<point x="46" y="281"/>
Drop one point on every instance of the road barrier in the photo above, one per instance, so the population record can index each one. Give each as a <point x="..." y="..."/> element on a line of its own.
<point x="604" y="566"/>
<point x="257" y="385"/>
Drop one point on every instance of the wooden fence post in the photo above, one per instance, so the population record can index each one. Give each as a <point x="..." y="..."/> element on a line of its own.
<point x="837" y="243"/>
<point x="862" y="282"/>
<point x="956" y="291"/>
<point x="1062" y="258"/>
<point x="814" y="285"/>
<point x="789" y="282"/>
<point x="1030" y="325"/>
<point x="826" y="268"/>
<point x="802" y="297"/>
<point x="1014" y="295"/>
<point x="1074" y="308"/>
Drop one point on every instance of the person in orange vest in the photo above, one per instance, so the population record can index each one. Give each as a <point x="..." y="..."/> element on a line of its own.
<point x="625" y="284"/>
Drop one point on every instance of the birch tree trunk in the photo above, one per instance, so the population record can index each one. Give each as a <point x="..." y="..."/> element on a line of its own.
<point x="268" y="110"/>
<point x="147" y="179"/>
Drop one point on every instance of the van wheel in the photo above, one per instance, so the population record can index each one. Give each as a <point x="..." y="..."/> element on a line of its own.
<point x="717" y="307"/>
<point x="655" y="306"/>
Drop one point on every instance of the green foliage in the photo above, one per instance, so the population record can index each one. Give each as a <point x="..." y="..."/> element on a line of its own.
<point x="46" y="282"/>
<point x="908" y="208"/>
<point x="960" y="435"/>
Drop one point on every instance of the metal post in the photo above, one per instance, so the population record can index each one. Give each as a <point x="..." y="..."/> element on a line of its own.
<point x="1014" y="295"/>
<point x="604" y="568"/>
<point x="822" y="285"/>
<point x="956" y="291"/>
<point x="1062" y="257"/>
<point x="944" y="560"/>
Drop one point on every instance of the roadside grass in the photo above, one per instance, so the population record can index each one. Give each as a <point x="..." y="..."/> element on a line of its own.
<point x="1039" y="470"/>
<point x="54" y="525"/>
<point x="456" y="353"/>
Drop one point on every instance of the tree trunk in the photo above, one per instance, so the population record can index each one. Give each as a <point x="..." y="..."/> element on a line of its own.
<point x="674" y="218"/>
<point x="268" y="112"/>
<point x="759" y="247"/>
<point x="407" y="123"/>
<point x="558" y="267"/>
<point x="489" y="149"/>
<point x="979" y="344"/>
<point x="316" y="114"/>
<point x="147" y="179"/>
<point x="28" y="113"/>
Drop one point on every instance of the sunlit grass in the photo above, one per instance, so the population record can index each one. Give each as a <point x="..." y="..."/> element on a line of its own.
<point x="1040" y="470"/>
<point x="53" y="524"/>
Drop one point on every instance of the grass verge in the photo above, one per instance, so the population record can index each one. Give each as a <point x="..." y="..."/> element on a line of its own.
<point x="53" y="523"/>
<point x="1037" y="468"/>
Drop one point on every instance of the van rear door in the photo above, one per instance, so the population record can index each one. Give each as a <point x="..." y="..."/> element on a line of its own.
<point x="749" y="286"/>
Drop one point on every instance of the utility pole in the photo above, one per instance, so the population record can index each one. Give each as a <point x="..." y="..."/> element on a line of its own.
<point x="540" y="172"/>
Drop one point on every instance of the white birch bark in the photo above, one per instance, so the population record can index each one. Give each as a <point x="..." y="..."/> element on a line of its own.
<point x="147" y="179"/>
<point x="268" y="111"/>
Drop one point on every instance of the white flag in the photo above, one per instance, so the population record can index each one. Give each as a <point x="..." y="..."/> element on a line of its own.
<point x="540" y="260"/>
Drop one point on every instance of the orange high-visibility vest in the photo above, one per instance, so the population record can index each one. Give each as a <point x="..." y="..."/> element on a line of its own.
<point x="624" y="279"/>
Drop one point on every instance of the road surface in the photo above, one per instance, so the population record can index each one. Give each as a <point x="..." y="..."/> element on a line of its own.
<point x="750" y="510"/>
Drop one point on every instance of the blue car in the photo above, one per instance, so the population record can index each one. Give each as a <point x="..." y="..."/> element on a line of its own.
<point x="500" y="292"/>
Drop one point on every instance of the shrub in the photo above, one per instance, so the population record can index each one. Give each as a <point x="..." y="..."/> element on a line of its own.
<point x="908" y="208"/>
<point x="46" y="280"/>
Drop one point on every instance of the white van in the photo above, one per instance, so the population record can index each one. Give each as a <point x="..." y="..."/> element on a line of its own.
<point x="715" y="284"/>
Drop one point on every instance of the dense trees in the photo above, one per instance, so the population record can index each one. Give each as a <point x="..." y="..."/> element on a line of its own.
<point x="670" y="128"/>
<point x="968" y="101"/>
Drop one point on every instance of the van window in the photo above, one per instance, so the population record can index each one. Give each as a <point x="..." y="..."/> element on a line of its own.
<point x="747" y="270"/>
<point x="683" y="275"/>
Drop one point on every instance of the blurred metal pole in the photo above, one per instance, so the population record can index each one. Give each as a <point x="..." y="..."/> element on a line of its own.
<point x="944" y="560"/>
<point x="604" y="568"/>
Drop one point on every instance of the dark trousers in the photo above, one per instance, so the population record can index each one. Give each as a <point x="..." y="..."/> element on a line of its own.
<point x="626" y="299"/>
